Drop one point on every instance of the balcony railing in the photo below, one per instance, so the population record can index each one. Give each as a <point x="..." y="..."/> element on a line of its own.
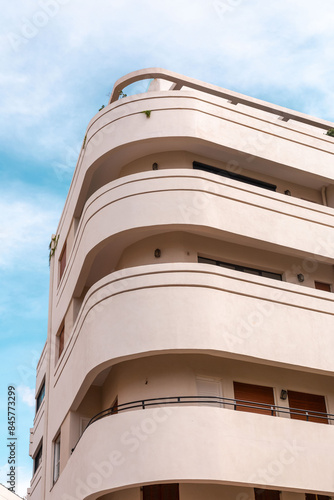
<point x="220" y="402"/>
<point x="237" y="404"/>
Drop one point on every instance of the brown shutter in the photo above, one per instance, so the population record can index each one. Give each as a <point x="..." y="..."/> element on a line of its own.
<point x="255" y="394"/>
<point x="161" y="492"/>
<point x="322" y="286"/>
<point x="266" y="494"/>
<point x="307" y="403"/>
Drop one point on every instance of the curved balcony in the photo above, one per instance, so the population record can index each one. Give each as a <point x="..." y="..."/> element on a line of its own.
<point x="144" y="204"/>
<point x="197" y="444"/>
<point x="224" y="126"/>
<point x="194" y="308"/>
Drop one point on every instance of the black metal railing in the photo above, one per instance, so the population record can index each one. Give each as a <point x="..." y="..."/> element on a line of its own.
<point x="237" y="404"/>
<point x="220" y="402"/>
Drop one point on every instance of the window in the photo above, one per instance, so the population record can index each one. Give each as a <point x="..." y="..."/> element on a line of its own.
<point x="62" y="261"/>
<point x="161" y="492"/>
<point x="40" y="396"/>
<point x="304" y="407"/>
<point x="312" y="496"/>
<point x="266" y="494"/>
<point x="322" y="286"/>
<point x="252" y="396"/>
<point x="114" y="407"/>
<point x="38" y="458"/>
<point x="233" y="175"/>
<point x="243" y="269"/>
<point x="61" y="340"/>
<point x="56" y="458"/>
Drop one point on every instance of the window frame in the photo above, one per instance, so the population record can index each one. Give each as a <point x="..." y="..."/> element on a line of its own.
<point x="62" y="262"/>
<point x="56" y="458"/>
<point x="244" y="269"/>
<point x="38" y="457"/>
<point x="232" y="175"/>
<point x="40" y="396"/>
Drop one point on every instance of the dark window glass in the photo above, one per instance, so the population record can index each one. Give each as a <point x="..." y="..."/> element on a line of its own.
<point x="312" y="496"/>
<point x="243" y="269"/>
<point x="61" y="338"/>
<point x="62" y="262"/>
<point x="232" y="175"/>
<point x="38" y="458"/>
<point x="40" y="397"/>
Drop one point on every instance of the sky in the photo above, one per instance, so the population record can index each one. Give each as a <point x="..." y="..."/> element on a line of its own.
<point x="59" y="61"/>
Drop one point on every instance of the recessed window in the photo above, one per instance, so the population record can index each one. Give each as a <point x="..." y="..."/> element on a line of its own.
<point x="38" y="458"/>
<point x="62" y="261"/>
<point x="114" y="407"/>
<point x="254" y="398"/>
<point x="232" y="175"/>
<point x="61" y="340"/>
<point x="40" y="396"/>
<point x="305" y="406"/>
<point x="161" y="492"/>
<point x="312" y="496"/>
<point x="266" y="494"/>
<point x="243" y="269"/>
<point x="56" y="458"/>
<point x="322" y="286"/>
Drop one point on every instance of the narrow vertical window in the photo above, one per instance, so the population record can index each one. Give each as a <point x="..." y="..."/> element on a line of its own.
<point x="62" y="262"/>
<point x="56" y="458"/>
<point x="38" y="458"/>
<point x="40" y="396"/>
<point x="61" y="340"/>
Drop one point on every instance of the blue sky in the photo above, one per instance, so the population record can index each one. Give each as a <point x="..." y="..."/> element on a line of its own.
<point x="59" y="61"/>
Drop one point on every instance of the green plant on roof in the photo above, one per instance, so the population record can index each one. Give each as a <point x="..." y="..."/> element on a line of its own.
<point x="52" y="246"/>
<point x="330" y="132"/>
<point x="147" y="112"/>
<point x="121" y="94"/>
<point x="101" y="107"/>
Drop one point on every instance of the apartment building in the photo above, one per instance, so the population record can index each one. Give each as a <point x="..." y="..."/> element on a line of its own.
<point x="190" y="346"/>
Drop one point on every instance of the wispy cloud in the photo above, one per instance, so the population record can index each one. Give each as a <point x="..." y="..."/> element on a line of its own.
<point x="27" y="395"/>
<point x="26" y="225"/>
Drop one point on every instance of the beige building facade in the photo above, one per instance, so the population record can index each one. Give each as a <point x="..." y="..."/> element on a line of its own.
<point x="190" y="347"/>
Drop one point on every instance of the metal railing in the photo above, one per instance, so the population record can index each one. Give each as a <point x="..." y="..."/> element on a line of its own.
<point x="237" y="404"/>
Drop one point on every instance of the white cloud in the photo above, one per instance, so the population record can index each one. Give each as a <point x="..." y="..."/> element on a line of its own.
<point x="27" y="395"/>
<point x="26" y="225"/>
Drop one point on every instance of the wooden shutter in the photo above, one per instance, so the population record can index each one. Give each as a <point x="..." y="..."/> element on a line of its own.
<point x="307" y="403"/>
<point x="255" y="395"/>
<point x="322" y="286"/>
<point x="266" y="494"/>
<point x="161" y="492"/>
